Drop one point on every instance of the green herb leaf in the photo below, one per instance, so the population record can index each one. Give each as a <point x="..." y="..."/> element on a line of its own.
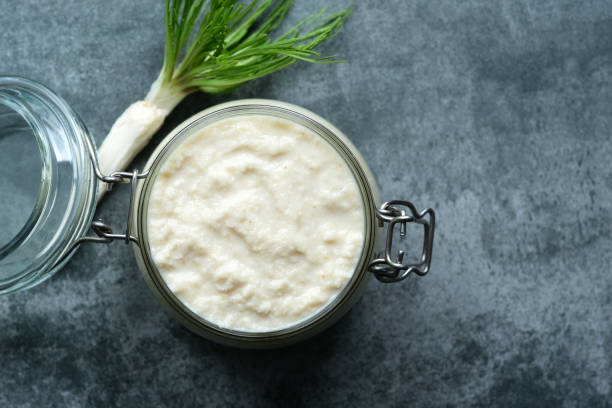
<point x="217" y="45"/>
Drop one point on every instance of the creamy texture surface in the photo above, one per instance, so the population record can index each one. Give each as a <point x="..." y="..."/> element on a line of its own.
<point x="255" y="223"/>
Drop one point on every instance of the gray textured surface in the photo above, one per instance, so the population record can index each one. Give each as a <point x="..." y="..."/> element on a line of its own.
<point x="495" y="113"/>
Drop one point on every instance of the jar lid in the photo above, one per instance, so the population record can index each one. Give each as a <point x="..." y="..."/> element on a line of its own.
<point x="47" y="182"/>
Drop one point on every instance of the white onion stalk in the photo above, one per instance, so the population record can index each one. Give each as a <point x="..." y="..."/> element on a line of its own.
<point x="230" y="46"/>
<point x="133" y="130"/>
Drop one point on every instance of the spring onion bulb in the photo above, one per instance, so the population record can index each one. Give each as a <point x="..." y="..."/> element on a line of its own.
<point x="214" y="46"/>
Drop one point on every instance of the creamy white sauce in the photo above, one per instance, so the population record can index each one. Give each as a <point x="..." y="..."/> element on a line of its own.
<point x="255" y="223"/>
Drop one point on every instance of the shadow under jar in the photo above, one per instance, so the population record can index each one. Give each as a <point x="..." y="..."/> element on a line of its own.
<point x="377" y="256"/>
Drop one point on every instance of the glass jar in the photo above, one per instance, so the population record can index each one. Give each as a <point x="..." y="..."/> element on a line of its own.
<point x="382" y="264"/>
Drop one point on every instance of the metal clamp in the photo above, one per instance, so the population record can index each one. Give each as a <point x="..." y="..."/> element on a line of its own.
<point x="393" y="212"/>
<point x="104" y="233"/>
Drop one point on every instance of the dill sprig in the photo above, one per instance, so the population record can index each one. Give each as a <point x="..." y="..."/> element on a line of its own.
<point x="218" y="45"/>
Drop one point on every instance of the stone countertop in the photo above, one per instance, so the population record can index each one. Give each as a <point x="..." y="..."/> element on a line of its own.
<point x="497" y="114"/>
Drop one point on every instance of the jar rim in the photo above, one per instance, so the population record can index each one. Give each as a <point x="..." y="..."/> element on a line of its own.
<point x="345" y="149"/>
<point x="66" y="201"/>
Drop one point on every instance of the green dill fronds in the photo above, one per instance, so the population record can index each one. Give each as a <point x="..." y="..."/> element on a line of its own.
<point x="218" y="45"/>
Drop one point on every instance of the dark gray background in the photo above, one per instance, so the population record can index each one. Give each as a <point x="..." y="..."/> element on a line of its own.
<point x="497" y="114"/>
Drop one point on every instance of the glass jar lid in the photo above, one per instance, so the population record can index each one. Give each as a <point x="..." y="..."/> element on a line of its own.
<point x="47" y="181"/>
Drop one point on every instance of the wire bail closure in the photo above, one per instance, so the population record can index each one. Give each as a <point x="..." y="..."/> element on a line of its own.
<point x="394" y="212"/>
<point x="104" y="233"/>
